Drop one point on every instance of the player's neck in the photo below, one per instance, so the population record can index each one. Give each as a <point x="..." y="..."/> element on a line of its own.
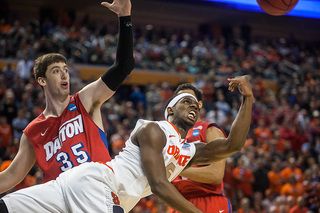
<point x="55" y="107"/>
<point x="183" y="129"/>
<point x="182" y="132"/>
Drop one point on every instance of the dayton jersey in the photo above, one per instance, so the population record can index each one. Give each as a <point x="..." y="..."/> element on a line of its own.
<point x="189" y="188"/>
<point x="131" y="183"/>
<point x="63" y="142"/>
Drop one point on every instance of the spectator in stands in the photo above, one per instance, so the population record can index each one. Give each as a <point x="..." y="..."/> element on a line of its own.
<point x="24" y="67"/>
<point x="300" y="207"/>
<point x="260" y="173"/>
<point x="222" y="104"/>
<point x="8" y="75"/>
<point x="137" y="96"/>
<point x="290" y="202"/>
<point x="19" y="123"/>
<point x="269" y="200"/>
<point x="244" y="178"/>
<point x="275" y="178"/>
<point x="292" y="188"/>
<point x="262" y="132"/>
<point x="152" y="98"/>
<point x="245" y="206"/>
<point x="6" y="135"/>
<point x="8" y="106"/>
<point x="292" y="169"/>
<point x="208" y="92"/>
<point x="166" y="91"/>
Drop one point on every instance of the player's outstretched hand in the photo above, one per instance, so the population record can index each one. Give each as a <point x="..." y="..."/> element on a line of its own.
<point x="120" y="7"/>
<point x="243" y="84"/>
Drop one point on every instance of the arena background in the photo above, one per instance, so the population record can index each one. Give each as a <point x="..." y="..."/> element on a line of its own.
<point x="191" y="15"/>
<point x="152" y="17"/>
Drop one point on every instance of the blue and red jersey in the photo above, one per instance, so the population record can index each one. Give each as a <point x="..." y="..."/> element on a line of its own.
<point x="189" y="188"/>
<point x="63" y="142"/>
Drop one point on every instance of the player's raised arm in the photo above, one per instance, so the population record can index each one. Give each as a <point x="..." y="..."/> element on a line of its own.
<point x="94" y="94"/>
<point x="224" y="147"/>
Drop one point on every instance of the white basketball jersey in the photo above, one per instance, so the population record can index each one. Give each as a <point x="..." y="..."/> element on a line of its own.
<point x="132" y="184"/>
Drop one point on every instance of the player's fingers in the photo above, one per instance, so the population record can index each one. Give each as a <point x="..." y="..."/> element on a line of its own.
<point x="232" y="86"/>
<point x="106" y="4"/>
<point x="234" y="80"/>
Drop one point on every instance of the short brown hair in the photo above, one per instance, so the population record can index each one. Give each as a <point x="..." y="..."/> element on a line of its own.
<point x="42" y="63"/>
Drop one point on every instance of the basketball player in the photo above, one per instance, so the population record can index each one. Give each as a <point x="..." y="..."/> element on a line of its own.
<point x="204" y="185"/>
<point x="154" y="155"/>
<point x="69" y="132"/>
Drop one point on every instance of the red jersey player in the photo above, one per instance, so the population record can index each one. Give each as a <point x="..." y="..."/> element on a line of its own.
<point x="69" y="132"/>
<point x="203" y="186"/>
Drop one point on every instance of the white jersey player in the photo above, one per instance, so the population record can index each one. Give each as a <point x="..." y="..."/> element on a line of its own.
<point x="154" y="155"/>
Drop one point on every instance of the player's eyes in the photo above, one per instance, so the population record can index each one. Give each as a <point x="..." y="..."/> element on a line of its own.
<point x="58" y="70"/>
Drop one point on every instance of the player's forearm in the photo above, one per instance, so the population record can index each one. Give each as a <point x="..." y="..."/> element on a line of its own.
<point x="124" y="63"/>
<point x="203" y="176"/>
<point x="8" y="180"/>
<point x="210" y="174"/>
<point x="241" y="125"/>
<point x="170" y="195"/>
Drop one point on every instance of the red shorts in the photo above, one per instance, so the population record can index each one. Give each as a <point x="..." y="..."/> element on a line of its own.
<point x="211" y="204"/>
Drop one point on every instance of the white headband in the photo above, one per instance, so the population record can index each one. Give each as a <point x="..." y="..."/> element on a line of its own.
<point x="175" y="100"/>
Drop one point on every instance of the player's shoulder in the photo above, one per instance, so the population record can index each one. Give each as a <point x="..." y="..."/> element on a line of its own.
<point x="144" y="126"/>
<point x="216" y="129"/>
<point x="41" y="118"/>
<point x="150" y="125"/>
<point x="204" y="125"/>
<point x="75" y="98"/>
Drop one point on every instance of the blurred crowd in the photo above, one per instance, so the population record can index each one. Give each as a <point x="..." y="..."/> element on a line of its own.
<point x="277" y="171"/>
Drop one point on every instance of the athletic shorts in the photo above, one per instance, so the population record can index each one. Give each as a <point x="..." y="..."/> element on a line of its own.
<point x="85" y="188"/>
<point x="211" y="204"/>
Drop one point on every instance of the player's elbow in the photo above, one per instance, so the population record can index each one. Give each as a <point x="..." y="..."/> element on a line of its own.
<point x="126" y="65"/>
<point x="217" y="179"/>
<point x="214" y="176"/>
<point x="157" y="187"/>
<point x="131" y="63"/>
<point x="234" y="145"/>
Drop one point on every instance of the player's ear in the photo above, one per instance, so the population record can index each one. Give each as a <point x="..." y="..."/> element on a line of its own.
<point x="42" y="81"/>
<point x="170" y="111"/>
<point x="200" y="104"/>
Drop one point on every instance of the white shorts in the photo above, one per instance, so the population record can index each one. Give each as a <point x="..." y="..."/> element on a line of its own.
<point x="85" y="188"/>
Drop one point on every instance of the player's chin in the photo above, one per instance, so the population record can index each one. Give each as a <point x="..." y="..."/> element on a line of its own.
<point x="66" y="92"/>
<point x="191" y="121"/>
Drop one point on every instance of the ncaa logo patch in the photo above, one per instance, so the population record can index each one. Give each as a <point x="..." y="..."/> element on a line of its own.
<point x="72" y="107"/>
<point x="196" y="132"/>
<point x="186" y="146"/>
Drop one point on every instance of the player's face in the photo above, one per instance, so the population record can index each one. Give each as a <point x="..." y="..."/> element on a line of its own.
<point x="192" y="93"/>
<point x="187" y="110"/>
<point x="57" y="79"/>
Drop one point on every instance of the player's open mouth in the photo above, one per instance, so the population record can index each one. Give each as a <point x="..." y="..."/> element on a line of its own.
<point x="192" y="115"/>
<point x="64" y="85"/>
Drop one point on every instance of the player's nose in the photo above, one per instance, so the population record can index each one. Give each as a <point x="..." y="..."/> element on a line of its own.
<point x="194" y="104"/>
